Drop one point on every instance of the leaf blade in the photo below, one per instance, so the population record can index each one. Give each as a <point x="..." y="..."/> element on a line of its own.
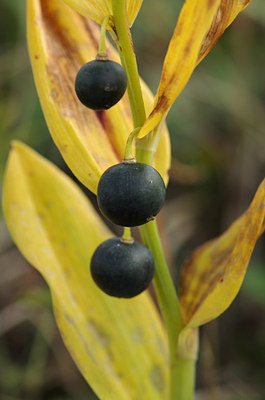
<point x="225" y="15"/>
<point x="60" y="41"/>
<point x="100" y="9"/>
<point x="199" y="27"/>
<point x="193" y="23"/>
<point x="96" y="10"/>
<point x="213" y="275"/>
<point x="57" y="230"/>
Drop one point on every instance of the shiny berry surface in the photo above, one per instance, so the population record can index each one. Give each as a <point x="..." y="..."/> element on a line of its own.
<point x="100" y="84"/>
<point x="121" y="269"/>
<point x="131" y="194"/>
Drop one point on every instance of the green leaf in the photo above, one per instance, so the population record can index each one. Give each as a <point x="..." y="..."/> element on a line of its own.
<point x="118" y="344"/>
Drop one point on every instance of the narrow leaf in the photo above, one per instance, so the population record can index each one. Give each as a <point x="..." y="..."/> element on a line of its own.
<point x="60" y="42"/>
<point x="213" y="275"/>
<point x="200" y="25"/>
<point x="193" y="24"/>
<point x="225" y="15"/>
<point x="118" y="344"/>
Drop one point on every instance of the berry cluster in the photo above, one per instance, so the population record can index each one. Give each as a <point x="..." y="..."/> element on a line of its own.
<point x="129" y="194"/>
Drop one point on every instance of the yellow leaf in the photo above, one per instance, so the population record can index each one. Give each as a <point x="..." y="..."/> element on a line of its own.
<point x="193" y="24"/>
<point x="225" y="15"/>
<point x="60" y="41"/>
<point x="97" y="10"/>
<point x="100" y="9"/>
<point x="213" y="275"/>
<point x="119" y="345"/>
<point x="200" y="25"/>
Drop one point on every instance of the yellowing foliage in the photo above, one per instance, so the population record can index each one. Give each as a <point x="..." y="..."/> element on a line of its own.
<point x="213" y="275"/>
<point x="199" y="26"/>
<point x="60" y="41"/>
<point x="119" y="345"/>
<point x="97" y="10"/>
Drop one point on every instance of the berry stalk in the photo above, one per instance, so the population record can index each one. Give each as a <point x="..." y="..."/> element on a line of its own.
<point x="102" y="40"/>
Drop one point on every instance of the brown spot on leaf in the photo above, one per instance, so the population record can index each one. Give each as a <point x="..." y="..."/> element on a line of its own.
<point x="210" y="3"/>
<point x="162" y="103"/>
<point x="216" y="29"/>
<point x="187" y="48"/>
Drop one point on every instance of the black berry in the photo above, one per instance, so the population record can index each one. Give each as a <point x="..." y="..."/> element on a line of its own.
<point x="121" y="269"/>
<point x="130" y="194"/>
<point x="100" y="84"/>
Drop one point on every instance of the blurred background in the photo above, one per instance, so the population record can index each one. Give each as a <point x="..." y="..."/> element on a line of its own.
<point x="218" y="150"/>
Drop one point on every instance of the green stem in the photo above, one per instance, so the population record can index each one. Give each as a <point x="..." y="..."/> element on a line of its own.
<point x="147" y="146"/>
<point x="165" y="290"/>
<point x="183" y="380"/>
<point x="128" y="59"/>
<point x="167" y="297"/>
<point x="183" y="369"/>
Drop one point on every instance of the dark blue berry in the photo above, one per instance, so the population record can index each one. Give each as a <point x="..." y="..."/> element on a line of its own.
<point x="122" y="269"/>
<point x="130" y="194"/>
<point x="100" y="84"/>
